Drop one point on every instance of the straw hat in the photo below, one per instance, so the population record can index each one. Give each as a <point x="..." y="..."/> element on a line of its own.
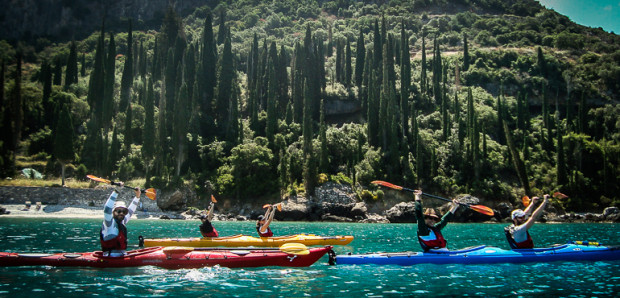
<point x="430" y="212"/>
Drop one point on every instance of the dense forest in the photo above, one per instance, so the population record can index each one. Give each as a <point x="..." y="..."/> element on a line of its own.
<point x="247" y="99"/>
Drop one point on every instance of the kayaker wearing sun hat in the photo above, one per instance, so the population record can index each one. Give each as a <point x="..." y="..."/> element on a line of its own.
<point x="262" y="225"/>
<point x="116" y="214"/>
<point x="430" y="225"/>
<point x="517" y="234"/>
<point x="206" y="228"/>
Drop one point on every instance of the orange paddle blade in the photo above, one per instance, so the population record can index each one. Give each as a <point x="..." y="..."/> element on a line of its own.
<point x="98" y="179"/>
<point x="266" y="205"/>
<point x="482" y="209"/>
<point x="213" y="199"/>
<point x="526" y="201"/>
<point x="151" y="193"/>
<point x="387" y="184"/>
<point x="279" y="206"/>
<point x="559" y="195"/>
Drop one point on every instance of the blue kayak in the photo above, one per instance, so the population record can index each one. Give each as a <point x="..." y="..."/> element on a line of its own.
<point x="487" y="255"/>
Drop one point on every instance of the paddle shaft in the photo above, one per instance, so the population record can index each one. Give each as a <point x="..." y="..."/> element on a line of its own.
<point x="434" y="196"/>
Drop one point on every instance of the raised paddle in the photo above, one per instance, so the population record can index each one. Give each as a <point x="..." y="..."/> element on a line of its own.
<point x="478" y="208"/>
<point x="150" y="193"/>
<point x="558" y="195"/>
<point x="278" y="205"/>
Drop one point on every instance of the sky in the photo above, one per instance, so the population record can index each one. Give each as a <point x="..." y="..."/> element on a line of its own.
<point x="591" y="13"/>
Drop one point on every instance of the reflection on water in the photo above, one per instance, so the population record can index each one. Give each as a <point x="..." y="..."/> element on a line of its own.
<point x="78" y="235"/>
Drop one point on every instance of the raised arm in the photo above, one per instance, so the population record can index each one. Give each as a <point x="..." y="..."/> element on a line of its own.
<point x="268" y="218"/>
<point x="133" y="206"/>
<point x="530" y="222"/>
<point x="210" y="212"/>
<point x="108" y="208"/>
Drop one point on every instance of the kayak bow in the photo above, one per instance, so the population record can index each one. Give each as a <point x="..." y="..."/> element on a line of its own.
<point x="172" y="258"/>
<point x="243" y="240"/>
<point x="487" y="255"/>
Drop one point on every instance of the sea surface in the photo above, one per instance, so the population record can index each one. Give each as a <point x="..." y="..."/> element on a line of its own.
<point x="566" y="279"/>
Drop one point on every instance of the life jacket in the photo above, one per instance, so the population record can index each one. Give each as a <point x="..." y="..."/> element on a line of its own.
<point x="437" y="242"/>
<point x="117" y="243"/>
<point x="266" y="234"/>
<point x="208" y="231"/>
<point x="528" y="243"/>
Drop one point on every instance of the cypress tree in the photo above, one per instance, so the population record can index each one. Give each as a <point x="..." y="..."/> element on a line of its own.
<point x="83" y="65"/>
<point x="437" y="71"/>
<point x="114" y="152"/>
<point x="282" y="79"/>
<point x="339" y="62"/>
<point x="222" y="32"/>
<point x="377" y="51"/>
<point x="225" y="77"/>
<point x="170" y="94"/>
<point x="63" y="141"/>
<point x="360" y="61"/>
<point x="208" y="52"/>
<point x="71" y="73"/>
<point x="107" y="112"/>
<point x="234" y="129"/>
<point x="252" y="79"/>
<point x="324" y="157"/>
<point x="582" y="114"/>
<point x="297" y="81"/>
<point x="562" y="176"/>
<point x="309" y="169"/>
<point x="465" y="53"/>
<point x="57" y="71"/>
<point x="405" y="79"/>
<point x="190" y="72"/>
<point x="272" y="114"/>
<point x="517" y="161"/>
<point x="128" y="135"/>
<point x="500" y="115"/>
<point x="181" y="124"/>
<point x="423" y="65"/>
<point x="48" y="105"/>
<point x="127" y="78"/>
<point x="15" y="109"/>
<point x="347" y="66"/>
<point x="148" y="146"/>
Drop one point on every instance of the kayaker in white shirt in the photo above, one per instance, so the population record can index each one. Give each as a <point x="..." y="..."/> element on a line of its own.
<point x="522" y="220"/>
<point x="116" y="214"/>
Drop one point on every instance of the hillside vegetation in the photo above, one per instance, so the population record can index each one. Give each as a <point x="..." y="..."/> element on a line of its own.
<point x="494" y="98"/>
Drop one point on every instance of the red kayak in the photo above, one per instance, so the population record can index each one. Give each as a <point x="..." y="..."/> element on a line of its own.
<point x="175" y="258"/>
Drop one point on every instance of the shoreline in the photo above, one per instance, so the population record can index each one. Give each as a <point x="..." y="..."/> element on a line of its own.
<point x="71" y="211"/>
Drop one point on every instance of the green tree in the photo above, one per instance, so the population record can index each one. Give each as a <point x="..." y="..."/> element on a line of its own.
<point x="63" y="142"/>
<point x="128" y="123"/>
<point x="360" y="60"/>
<point x="465" y="53"/>
<point x="128" y="73"/>
<point x="71" y="74"/>
<point x="107" y="112"/>
<point x="148" y="146"/>
<point x="225" y="77"/>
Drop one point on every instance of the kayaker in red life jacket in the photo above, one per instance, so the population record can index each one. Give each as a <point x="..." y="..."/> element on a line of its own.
<point x="113" y="235"/>
<point x="206" y="228"/>
<point x="430" y="225"/>
<point x="262" y="225"/>
<point x="517" y="234"/>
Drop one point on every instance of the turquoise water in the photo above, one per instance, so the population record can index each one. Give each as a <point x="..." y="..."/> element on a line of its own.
<point x="569" y="279"/>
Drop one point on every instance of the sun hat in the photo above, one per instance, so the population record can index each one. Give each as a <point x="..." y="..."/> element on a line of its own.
<point x="430" y="212"/>
<point x="517" y="213"/>
<point x="119" y="204"/>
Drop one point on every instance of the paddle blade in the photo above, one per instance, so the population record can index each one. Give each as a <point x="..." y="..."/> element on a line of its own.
<point x="213" y="199"/>
<point x="295" y="249"/>
<point x="151" y="193"/>
<point x="482" y="209"/>
<point x="526" y="201"/>
<point x="387" y="184"/>
<point x="266" y="205"/>
<point x="98" y="179"/>
<point x="279" y="206"/>
<point x="559" y="195"/>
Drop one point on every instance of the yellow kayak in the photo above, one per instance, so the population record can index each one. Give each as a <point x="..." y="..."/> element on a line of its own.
<point x="244" y="240"/>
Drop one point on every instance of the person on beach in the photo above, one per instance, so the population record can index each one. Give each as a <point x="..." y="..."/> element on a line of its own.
<point x="116" y="214"/>
<point x="206" y="228"/>
<point x="430" y="225"/>
<point x="517" y="233"/>
<point x="262" y="225"/>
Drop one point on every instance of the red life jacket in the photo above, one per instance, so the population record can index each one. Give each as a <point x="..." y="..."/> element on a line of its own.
<point x="266" y="234"/>
<point x="438" y="242"/>
<point x="213" y="233"/>
<point x="528" y="243"/>
<point x="117" y="243"/>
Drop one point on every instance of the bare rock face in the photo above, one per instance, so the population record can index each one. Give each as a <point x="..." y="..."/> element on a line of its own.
<point x="174" y="201"/>
<point x="401" y="213"/>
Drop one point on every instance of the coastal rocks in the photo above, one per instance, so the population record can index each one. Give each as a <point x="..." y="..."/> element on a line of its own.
<point x="401" y="213"/>
<point x="3" y="211"/>
<point x="174" y="201"/>
<point x="612" y="214"/>
<point x="294" y="209"/>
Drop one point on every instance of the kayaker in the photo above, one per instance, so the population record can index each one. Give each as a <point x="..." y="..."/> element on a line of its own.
<point x="517" y="234"/>
<point x="206" y="228"/>
<point x="262" y="225"/>
<point x="430" y="225"/>
<point x="113" y="235"/>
